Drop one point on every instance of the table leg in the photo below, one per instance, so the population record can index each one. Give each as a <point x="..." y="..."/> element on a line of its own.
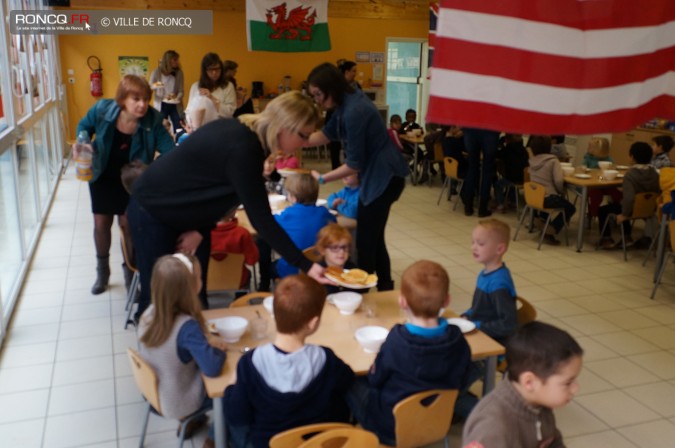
<point x="219" y="422"/>
<point x="490" y="374"/>
<point x="661" y="245"/>
<point x="582" y="218"/>
<point x="415" y="155"/>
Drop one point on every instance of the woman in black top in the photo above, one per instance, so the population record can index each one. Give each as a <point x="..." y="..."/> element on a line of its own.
<point x="179" y="199"/>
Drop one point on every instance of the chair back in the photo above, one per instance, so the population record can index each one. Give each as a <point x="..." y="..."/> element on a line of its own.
<point x="343" y="438"/>
<point x="534" y="194"/>
<point x="145" y="378"/>
<point x="126" y="252"/>
<point x="224" y="274"/>
<point x="295" y="437"/>
<point x="671" y="229"/>
<point x="438" y="152"/>
<point x="247" y="300"/>
<point x="420" y="422"/>
<point x="312" y="254"/>
<point x="451" y="165"/>
<point x="526" y="312"/>
<point x="526" y="174"/>
<point x="644" y="205"/>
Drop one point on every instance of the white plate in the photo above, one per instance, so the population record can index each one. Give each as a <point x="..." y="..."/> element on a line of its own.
<point x="344" y="284"/>
<point x="464" y="325"/>
<point x="174" y="101"/>
<point x="583" y="176"/>
<point x="622" y="167"/>
<point x="619" y="176"/>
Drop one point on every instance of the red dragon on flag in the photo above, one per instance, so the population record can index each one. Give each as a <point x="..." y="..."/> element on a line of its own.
<point x="290" y="28"/>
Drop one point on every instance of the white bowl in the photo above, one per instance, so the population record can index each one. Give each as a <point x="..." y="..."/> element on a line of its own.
<point x="347" y="302"/>
<point x="231" y="328"/>
<point x="371" y="338"/>
<point x="321" y="202"/>
<point x="568" y="170"/>
<point x="268" y="303"/>
<point x="610" y="174"/>
<point x="604" y="165"/>
<point x="564" y="164"/>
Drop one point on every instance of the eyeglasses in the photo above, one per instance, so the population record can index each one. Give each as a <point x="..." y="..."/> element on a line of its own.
<point x="338" y="248"/>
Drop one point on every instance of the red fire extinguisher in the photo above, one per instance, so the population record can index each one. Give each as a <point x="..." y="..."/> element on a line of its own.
<point x="96" y="77"/>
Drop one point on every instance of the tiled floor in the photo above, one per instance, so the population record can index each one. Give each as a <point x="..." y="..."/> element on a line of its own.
<point x="64" y="378"/>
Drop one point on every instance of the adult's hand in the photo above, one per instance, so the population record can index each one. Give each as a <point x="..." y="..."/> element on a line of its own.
<point x="317" y="273"/>
<point x="188" y="242"/>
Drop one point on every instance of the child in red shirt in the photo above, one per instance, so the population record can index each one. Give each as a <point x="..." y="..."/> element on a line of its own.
<point x="230" y="237"/>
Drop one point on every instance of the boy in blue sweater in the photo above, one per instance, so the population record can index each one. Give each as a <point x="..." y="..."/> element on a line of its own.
<point x="346" y="201"/>
<point x="425" y="353"/>
<point x="301" y="221"/>
<point x="493" y="309"/>
<point x="288" y="383"/>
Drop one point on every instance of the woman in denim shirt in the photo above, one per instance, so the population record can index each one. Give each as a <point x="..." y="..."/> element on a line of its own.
<point x="370" y="152"/>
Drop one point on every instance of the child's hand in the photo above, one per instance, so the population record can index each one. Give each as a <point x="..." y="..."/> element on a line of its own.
<point x="217" y="342"/>
<point x="336" y="202"/>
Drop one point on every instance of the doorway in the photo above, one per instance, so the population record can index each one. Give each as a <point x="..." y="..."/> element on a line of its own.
<point x="406" y="78"/>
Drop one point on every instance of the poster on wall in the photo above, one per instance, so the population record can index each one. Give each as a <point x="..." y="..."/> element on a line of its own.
<point x="287" y="25"/>
<point x="362" y="56"/>
<point x="133" y="65"/>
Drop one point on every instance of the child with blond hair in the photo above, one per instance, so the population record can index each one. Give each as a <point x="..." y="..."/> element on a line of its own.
<point x="288" y="383"/>
<point x="493" y="308"/>
<point x="544" y="363"/>
<point x="424" y="353"/>
<point x="174" y="340"/>
<point x="301" y="221"/>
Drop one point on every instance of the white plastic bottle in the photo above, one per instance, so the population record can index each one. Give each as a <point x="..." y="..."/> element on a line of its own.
<point x="85" y="152"/>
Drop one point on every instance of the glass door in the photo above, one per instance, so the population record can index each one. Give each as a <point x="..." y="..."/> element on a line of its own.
<point x="406" y="76"/>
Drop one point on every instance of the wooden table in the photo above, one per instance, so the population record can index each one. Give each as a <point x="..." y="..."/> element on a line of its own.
<point x="337" y="332"/>
<point x="580" y="187"/>
<point x="416" y="142"/>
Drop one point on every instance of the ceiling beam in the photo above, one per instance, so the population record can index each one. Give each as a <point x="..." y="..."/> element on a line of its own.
<point x="351" y="9"/>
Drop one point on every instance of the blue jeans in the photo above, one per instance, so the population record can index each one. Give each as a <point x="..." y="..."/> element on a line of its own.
<point x="152" y="240"/>
<point x="479" y="141"/>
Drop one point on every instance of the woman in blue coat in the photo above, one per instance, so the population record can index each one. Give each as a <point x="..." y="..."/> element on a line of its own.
<point x="126" y="129"/>
<point x="370" y="152"/>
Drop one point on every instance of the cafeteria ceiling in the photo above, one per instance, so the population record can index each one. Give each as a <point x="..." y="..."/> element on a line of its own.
<point x="357" y="9"/>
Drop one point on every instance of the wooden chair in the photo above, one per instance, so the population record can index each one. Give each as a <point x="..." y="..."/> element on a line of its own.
<point x="420" y="422"/>
<point x="252" y="298"/>
<point x="534" y="201"/>
<point x="526" y="311"/>
<point x="343" y="438"/>
<point x="666" y="257"/>
<point x="517" y="188"/>
<point x="295" y="437"/>
<point x="147" y="383"/>
<point x="644" y="207"/>
<point x="135" y="280"/>
<point x="224" y="274"/>
<point x="451" y="165"/>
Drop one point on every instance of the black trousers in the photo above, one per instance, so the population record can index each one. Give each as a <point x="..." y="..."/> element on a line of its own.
<point x="370" y="242"/>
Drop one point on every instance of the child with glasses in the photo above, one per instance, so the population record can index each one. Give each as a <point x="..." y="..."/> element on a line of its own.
<point x="334" y="244"/>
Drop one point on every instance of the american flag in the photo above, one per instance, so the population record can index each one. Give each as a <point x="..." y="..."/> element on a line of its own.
<point x="553" y="66"/>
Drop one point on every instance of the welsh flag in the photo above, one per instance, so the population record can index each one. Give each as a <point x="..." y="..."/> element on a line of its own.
<point x="287" y="25"/>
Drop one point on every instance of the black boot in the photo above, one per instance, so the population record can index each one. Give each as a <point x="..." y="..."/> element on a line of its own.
<point x="483" y="210"/>
<point x="468" y="206"/>
<point x="102" y="275"/>
<point x="128" y="276"/>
